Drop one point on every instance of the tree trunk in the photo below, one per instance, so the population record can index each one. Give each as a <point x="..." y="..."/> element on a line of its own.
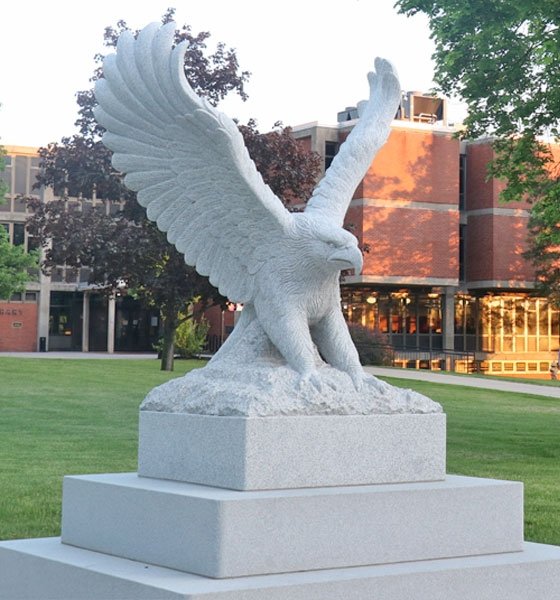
<point x="168" y="350"/>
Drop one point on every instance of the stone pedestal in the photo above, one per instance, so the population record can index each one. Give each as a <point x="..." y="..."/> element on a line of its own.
<point x="247" y="453"/>
<point x="224" y="533"/>
<point x="338" y="508"/>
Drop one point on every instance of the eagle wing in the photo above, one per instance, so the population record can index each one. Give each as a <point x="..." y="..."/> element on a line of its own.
<point x="332" y="196"/>
<point x="188" y="163"/>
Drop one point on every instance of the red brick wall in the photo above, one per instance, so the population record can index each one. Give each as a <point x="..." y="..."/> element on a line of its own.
<point x="482" y="193"/>
<point x="420" y="166"/>
<point x="411" y="243"/>
<point x="305" y="142"/>
<point x="479" y="248"/>
<point x="214" y="317"/>
<point x="495" y="244"/>
<point x="413" y="166"/>
<point x="18" y="327"/>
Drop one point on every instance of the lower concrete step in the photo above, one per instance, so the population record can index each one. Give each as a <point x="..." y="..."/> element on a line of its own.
<point x="226" y="533"/>
<point x="46" y="569"/>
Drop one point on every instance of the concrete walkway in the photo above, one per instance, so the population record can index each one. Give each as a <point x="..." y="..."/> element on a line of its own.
<point x="81" y="355"/>
<point x="420" y="375"/>
<point x="469" y="381"/>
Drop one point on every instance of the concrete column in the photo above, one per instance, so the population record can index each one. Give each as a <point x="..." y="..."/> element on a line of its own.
<point x="85" y="322"/>
<point x="111" y="310"/>
<point x="449" y="325"/>
<point x="449" y="319"/>
<point x="44" y="311"/>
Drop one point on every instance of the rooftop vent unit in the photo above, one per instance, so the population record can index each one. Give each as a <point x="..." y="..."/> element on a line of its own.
<point x="422" y="108"/>
<point x="414" y="106"/>
<point x="348" y="114"/>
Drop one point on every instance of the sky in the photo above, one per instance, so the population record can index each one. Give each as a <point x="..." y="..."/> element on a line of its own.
<point x="308" y="58"/>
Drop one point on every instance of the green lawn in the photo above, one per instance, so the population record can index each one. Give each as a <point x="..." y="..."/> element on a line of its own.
<point x="505" y="436"/>
<point x="61" y="417"/>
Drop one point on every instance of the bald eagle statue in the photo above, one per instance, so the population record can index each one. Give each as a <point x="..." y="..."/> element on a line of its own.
<point x="191" y="170"/>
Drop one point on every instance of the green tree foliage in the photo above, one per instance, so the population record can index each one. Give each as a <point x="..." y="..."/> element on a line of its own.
<point x="191" y="337"/>
<point x="502" y="57"/>
<point x="14" y="267"/>
<point x="126" y="246"/>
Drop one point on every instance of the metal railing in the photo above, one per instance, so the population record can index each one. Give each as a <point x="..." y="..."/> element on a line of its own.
<point x="422" y="358"/>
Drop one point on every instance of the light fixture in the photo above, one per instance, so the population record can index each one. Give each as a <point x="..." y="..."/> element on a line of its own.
<point x="371" y="299"/>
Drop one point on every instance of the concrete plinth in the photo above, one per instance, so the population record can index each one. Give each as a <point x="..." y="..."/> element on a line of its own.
<point x="45" y="569"/>
<point x="251" y="453"/>
<point x="225" y="533"/>
<point x="300" y="508"/>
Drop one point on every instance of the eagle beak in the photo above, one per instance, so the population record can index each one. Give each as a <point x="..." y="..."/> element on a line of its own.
<point x="349" y="257"/>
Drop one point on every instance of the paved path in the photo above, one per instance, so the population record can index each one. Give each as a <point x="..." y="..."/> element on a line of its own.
<point x="80" y="355"/>
<point x="420" y="375"/>
<point x="469" y="381"/>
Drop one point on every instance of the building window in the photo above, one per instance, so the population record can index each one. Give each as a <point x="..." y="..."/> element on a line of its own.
<point x="20" y="205"/>
<point x="19" y="234"/>
<point x="331" y="149"/>
<point x="20" y="183"/>
<point x="6" y="176"/>
<point x="32" y="243"/>
<point x="462" y="252"/>
<point x="410" y="320"/>
<point x="462" y="181"/>
<point x="515" y="324"/>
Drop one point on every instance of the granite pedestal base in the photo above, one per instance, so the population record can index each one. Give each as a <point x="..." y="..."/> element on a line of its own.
<point x="45" y="569"/>
<point x="339" y="508"/>
<point x="225" y="533"/>
<point x="251" y="453"/>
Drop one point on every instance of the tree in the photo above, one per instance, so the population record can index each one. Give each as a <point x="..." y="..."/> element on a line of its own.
<point x="501" y="58"/>
<point x="126" y="247"/>
<point x="289" y="169"/>
<point x="15" y="264"/>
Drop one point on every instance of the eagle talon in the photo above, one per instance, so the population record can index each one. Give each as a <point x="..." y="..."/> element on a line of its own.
<point x="361" y="379"/>
<point x="311" y="378"/>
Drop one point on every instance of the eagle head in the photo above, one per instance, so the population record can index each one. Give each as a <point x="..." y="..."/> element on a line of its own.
<point x="332" y="246"/>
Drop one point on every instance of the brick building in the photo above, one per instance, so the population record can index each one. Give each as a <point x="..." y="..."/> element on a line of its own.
<point x="19" y="318"/>
<point x="61" y="311"/>
<point x="444" y="278"/>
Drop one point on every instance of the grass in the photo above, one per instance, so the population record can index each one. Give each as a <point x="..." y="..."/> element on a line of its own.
<point x="60" y="417"/>
<point x="503" y="435"/>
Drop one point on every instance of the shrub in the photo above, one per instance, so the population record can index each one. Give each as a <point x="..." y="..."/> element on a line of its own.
<point x="190" y="337"/>
<point x="372" y="345"/>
